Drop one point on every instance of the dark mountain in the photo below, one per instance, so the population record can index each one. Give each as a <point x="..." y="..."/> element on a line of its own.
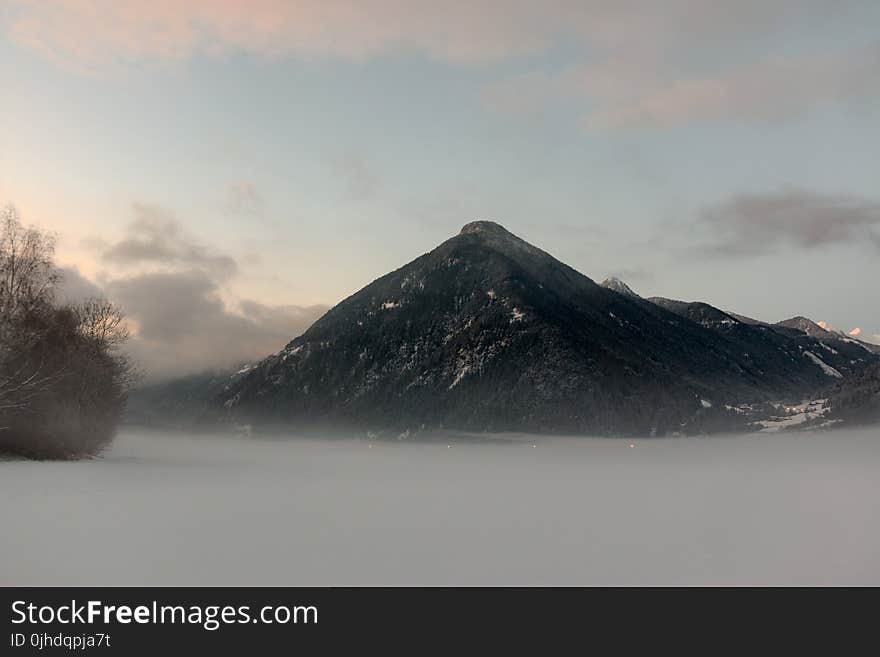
<point x="856" y="399"/>
<point x="488" y="332"/>
<point x="836" y="339"/>
<point x="784" y="353"/>
<point x="746" y="320"/>
<point x="699" y="312"/>
<point x="805" y="325"/>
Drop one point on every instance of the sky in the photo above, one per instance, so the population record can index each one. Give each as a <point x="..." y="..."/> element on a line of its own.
<point x="227" y="170"/>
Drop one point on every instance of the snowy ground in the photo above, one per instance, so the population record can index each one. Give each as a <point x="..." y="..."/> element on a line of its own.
<point x="169" y="509"/>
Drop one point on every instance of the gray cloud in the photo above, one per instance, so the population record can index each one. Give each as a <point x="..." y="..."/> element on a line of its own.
<point x="170" y="290"/>
<point x="168" y="306"/>
<point x="75" y="288"/>
<point x="771" y="89"/>
<point x="156" y="238"/>
<point x="755" y="224"/>
<point x="626" y="92"/>
<point x="182" y="325"/>
<point x="279" y="319"/>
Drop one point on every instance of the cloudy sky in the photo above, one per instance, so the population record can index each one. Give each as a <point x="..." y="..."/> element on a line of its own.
<point x="226" y="169"/>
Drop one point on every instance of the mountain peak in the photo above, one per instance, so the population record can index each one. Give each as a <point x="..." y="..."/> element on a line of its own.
<point x="487" y="228"/>
<point x="497" y="237"/>
<point x="805" y="325"/>
<point x="616" y="285"/>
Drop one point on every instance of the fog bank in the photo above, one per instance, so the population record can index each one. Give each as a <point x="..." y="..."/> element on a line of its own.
<point x="164" y="509"/>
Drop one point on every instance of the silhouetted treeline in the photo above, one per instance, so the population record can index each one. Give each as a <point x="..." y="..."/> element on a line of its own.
<point x="63" y="380"/>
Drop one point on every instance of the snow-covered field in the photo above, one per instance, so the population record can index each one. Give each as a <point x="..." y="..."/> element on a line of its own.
<point x="171" y="509"/>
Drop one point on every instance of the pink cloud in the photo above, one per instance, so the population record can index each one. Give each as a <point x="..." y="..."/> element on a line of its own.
<point x="642" y="64"/>
<point x="770" y="89"/>
<point x="94" y="33"/>
<point x="641" y="90"/>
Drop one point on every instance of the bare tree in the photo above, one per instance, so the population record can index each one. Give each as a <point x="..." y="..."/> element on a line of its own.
<point x="63" y="375"/>
<point x="27" y="280"/>
<point x="27" y="270"/>
<point x="102" y="323"/>
<point x="104" y="330"/>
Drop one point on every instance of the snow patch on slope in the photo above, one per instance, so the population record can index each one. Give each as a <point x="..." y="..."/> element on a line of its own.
<point x="827" y="369"/>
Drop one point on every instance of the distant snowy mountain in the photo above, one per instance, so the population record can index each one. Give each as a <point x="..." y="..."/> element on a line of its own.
<point x="488" y="332"/>
<point x="616" y="285"/>
<point x="838" y="339"/>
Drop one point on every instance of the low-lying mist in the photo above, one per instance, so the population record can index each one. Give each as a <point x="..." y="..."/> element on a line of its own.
<point x="164" y="509"/>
